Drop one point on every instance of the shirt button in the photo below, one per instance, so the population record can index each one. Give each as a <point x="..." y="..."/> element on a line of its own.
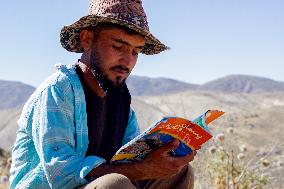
<point x="55" y="148"/>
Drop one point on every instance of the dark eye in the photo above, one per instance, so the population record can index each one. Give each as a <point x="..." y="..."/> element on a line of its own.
<point x="116" y="47"/>
<point x="135" y="53"/>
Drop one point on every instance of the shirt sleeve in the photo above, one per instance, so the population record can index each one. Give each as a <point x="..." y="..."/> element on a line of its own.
<point x="53" y="132"/>
<point x="132" y="129"/>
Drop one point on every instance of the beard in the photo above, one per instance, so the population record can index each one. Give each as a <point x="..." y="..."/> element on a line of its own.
<point x="101" y="75"/>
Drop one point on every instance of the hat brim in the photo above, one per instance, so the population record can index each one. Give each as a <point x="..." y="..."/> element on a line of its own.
<point x="70" y="35"/>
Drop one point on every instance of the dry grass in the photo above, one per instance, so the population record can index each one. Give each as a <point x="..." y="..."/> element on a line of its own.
<point x="257" y="121"/>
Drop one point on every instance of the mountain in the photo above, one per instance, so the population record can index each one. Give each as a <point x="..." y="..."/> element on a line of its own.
<point x="14" y="93"/>
<point x="243" y="84"/>
<point x="8" y="126"/>
<point x="146" y="86"/>
<point x="139" y="85"/>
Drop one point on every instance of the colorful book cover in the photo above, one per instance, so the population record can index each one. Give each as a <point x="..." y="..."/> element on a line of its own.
<point x="191" y="134"/>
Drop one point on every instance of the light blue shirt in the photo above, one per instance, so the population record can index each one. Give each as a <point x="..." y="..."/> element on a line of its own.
<point x="52" y="138"/>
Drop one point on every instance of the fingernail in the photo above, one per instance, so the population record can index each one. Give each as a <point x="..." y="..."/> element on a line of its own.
<point x="176" y="142"/>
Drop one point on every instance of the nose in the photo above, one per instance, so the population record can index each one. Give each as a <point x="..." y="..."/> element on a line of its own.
<point x="127" y="59"/>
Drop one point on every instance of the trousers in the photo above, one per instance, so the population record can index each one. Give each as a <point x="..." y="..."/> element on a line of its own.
<point x="183" y="180"/>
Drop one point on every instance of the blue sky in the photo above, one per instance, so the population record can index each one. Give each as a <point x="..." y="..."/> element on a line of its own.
<point x="208" y="38"/>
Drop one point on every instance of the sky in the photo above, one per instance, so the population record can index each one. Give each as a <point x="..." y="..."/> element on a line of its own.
<point x="209" y="39"/>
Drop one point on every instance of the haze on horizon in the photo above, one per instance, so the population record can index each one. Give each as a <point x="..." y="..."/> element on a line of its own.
<point x="208" y="39"/>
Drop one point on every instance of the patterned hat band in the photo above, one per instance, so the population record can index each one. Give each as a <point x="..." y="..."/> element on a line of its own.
<point x="138" y="21"/>
<point x="128" y="13"/>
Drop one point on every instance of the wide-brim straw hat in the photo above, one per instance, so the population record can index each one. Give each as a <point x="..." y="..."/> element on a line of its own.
<point x="128" y="13"/>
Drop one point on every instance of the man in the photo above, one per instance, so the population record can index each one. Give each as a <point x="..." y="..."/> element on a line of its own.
<point x="80" y="116"/>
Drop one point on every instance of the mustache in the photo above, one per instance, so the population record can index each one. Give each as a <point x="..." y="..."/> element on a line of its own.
<point x="121" y="68"/>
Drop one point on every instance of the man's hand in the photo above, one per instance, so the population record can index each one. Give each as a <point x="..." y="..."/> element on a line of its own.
<point x="158" y="165"/>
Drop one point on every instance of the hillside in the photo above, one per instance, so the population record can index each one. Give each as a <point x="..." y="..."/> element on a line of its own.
<point x="8" y="127"/>
<point x="256" y="118"/>
<point x="14" y="93"/>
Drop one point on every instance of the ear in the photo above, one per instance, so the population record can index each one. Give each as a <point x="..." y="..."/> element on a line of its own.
<point x="86" y="39"/>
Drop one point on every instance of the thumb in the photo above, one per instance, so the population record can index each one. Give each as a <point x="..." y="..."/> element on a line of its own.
<point x="169" y="146"/>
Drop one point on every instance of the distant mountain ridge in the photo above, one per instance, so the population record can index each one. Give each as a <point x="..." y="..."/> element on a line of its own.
<point x="14" y="93"/>
<point x="243" y="84"/>
<point x="140" y="85"/>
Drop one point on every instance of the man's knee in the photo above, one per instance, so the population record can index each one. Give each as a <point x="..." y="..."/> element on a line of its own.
<point x="182" y="180"/>
<point x="111" y="181"/>
<point x="185" y="177"/>
<point x="190" y="176"/>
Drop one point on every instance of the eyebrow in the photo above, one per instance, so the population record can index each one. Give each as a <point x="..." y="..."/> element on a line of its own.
<point x="126" y="43"/>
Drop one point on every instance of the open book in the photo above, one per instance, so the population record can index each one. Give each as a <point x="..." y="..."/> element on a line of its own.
<point x="191" y="134"/>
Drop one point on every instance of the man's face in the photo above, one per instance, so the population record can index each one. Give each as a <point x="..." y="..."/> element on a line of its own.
<point x="115" y="52"/>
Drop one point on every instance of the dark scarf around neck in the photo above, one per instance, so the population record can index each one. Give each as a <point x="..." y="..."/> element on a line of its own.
<point x="107" y="115"/>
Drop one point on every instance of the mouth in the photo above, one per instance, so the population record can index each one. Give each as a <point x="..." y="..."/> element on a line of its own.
<point x="120" y="70"/>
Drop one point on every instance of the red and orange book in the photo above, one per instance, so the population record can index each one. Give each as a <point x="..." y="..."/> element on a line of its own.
<point x="191" y="134"/>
